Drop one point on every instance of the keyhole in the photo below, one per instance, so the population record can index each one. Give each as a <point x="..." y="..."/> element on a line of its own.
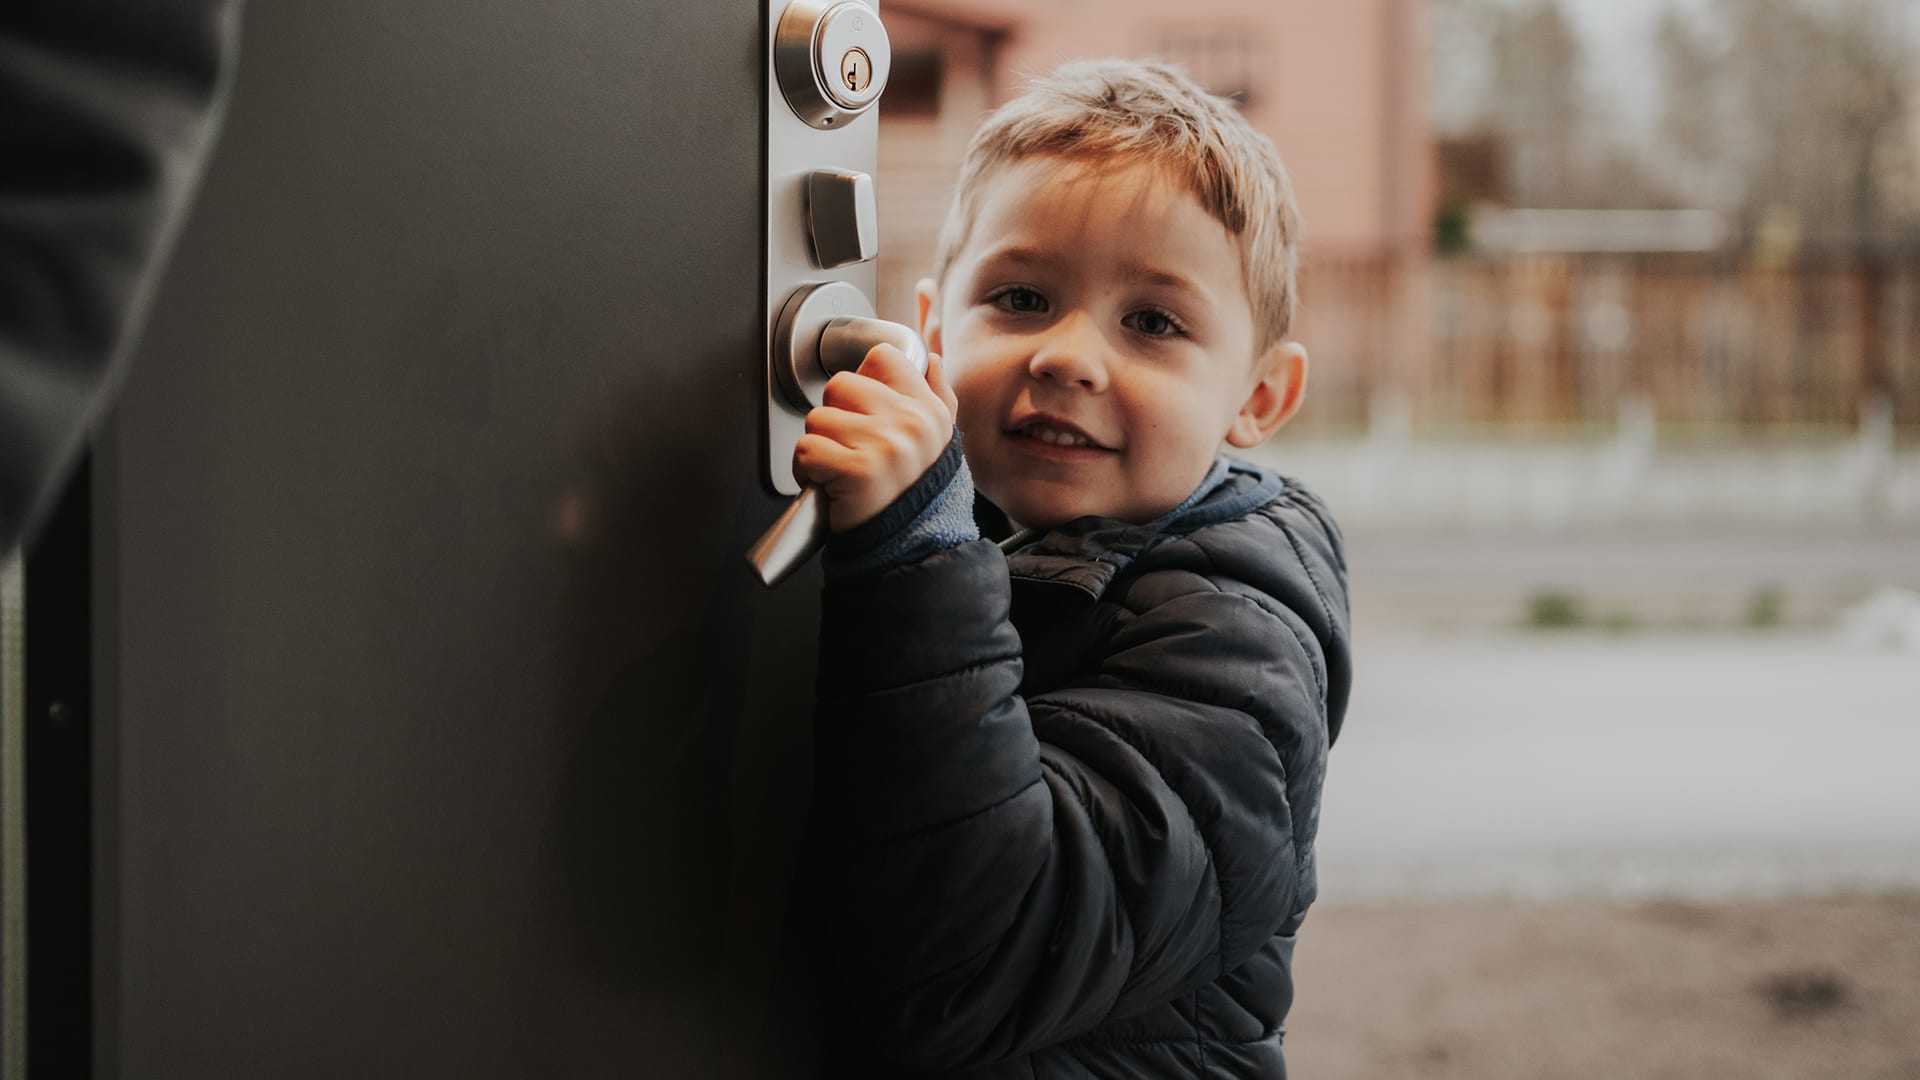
<point x="856" y="68"/>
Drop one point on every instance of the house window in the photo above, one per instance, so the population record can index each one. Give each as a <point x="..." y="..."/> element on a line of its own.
<point x="1222" y="58"/>
<point x="913" y="84"/>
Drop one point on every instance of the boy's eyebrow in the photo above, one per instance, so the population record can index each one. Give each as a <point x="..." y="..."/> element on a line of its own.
<point x="1144" y="272"/>
<point x="1030" y="255"/>
<point x="1153" y="275"/>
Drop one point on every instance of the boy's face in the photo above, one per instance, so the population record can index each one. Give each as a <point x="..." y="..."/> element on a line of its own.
<point x="1098" y="334"/>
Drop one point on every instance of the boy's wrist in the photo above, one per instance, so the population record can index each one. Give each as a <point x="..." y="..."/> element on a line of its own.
<point x="933" y="514"/>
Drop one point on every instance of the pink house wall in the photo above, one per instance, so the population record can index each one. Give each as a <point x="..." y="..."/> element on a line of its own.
<point x="1338" y="85"/>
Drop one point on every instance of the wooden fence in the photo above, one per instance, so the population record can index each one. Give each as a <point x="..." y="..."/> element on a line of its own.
<point x="1555" y="340"/>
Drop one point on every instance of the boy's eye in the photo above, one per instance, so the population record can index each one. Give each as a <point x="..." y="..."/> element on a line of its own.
<point x="1022" y="300"/>
<point x="1155" y="323"/>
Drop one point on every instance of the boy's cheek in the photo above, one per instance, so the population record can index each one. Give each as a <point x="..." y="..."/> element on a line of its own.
<point x="966" y="391"/>
<point x="972" y="418"/>
<point x="976" y="434"/>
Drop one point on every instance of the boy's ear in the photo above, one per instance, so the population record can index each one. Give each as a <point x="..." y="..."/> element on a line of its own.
<point x="1275" y="397"/>
<point x="926" y="294"/>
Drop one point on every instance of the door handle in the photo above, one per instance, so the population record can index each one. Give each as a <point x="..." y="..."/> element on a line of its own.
<point x="812" y="341"/>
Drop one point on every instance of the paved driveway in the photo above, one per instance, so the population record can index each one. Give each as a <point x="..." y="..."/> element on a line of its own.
<point x="1589" y="763"/>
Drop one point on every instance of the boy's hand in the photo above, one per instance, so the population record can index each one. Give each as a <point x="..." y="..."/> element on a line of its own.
<point x="876" y="431"/>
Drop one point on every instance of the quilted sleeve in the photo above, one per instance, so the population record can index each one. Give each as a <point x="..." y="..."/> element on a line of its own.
<point x="1012" y="873"/>
<point x="107" y="108"/>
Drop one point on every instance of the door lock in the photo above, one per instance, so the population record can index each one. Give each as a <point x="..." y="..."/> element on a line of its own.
<point x="827" y="63"/>
<point x="831" y="58"/>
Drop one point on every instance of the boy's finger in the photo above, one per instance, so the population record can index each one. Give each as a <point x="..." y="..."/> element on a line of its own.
<point x="858" y="392"/>
<point x="937" y="382"/>
<point x="870" y="434"/>
<point x="889" y="365"/>
<point x="848" y="427"/>
<point x="820" y="460"/>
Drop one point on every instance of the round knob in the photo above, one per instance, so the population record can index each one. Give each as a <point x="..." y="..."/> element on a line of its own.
<point x="797" y="331"/>
<point x="828" y="328"/>
<point x="832" y="58"/>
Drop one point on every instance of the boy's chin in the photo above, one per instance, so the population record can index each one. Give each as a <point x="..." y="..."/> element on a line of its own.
<point x="1029" y="511"/>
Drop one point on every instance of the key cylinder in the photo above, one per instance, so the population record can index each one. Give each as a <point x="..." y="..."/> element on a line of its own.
<point x="832" y="60"/>
<point x="856" y="70"/>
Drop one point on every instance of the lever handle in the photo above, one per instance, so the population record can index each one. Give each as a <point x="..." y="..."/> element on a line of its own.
<point x="793" y="538"/>
<point x="842" y="345"/>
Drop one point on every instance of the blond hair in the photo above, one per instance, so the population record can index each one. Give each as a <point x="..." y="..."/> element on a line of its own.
<point x="1154" y="113"/>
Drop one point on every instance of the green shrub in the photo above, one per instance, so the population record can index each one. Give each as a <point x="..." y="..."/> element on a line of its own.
<point x="1555" y="609"/>
<point x="1764" y="606"/>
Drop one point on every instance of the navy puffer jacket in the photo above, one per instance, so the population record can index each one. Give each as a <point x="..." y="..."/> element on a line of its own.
<point x="1073" y="788"/>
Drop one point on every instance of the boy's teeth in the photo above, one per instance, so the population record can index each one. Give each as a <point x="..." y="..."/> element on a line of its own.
<point x="1055" y="436"/>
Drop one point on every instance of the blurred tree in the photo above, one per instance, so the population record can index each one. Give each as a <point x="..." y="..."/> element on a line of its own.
<point x="1513" y="71"/>
<point x="1457" y="78"/>
<point x="1537" y="101"/>
<point x="1795" y="110"/>
<point x="1699" y="113"/>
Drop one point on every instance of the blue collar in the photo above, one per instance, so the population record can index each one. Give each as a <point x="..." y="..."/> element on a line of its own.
<point x="1089" y="552"/>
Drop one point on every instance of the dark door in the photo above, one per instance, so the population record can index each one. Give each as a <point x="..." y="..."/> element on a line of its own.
<point x="441" y="729"/>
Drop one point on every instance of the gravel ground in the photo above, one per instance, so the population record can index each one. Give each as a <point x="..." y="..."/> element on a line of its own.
<point x="1753" y="989"/>
<point x="1561" y="856"/>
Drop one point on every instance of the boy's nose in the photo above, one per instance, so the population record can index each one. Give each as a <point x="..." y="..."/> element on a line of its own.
<point x="1072" y="353"/>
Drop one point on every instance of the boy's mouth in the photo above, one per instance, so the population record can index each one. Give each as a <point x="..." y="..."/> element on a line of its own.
<point x="1054" y="431"/>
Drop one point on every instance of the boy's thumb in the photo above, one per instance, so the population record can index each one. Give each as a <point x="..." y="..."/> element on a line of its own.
<point x="937" y="379"/>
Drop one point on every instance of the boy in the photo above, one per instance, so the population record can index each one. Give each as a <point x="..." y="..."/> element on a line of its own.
<point x="1073" y="778"/>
